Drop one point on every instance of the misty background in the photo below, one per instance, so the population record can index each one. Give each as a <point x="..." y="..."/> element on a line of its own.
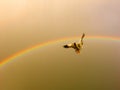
<point x="24" y="23"/>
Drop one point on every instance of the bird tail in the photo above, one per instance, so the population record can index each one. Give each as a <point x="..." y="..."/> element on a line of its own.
<point x="77" y="51"/>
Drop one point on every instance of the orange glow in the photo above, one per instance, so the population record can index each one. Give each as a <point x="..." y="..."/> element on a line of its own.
<point x="30" y="49"/>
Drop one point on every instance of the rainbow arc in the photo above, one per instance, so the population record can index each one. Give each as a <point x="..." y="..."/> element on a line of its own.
<point x="40" y="45"/>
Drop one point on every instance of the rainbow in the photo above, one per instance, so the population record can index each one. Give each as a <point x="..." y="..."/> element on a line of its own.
<point x="30" y="49"/>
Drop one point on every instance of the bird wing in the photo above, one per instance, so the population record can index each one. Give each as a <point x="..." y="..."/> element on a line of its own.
<point x="81" y="40"/>
<point x="82" y="36"/>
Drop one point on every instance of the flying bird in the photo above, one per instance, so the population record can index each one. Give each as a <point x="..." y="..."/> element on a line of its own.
<point x="76" y="46"/>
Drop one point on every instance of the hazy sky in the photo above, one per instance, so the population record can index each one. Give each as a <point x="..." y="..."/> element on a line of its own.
<point x="24" y="23"/>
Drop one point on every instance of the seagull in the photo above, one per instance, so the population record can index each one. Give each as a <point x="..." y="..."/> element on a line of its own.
<point x="76" y="46"/>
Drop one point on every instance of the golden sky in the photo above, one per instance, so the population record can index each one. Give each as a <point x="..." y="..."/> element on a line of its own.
<point x="24" y="23"/>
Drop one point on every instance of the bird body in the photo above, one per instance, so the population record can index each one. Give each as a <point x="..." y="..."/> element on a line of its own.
<point x="76" y="46"/>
